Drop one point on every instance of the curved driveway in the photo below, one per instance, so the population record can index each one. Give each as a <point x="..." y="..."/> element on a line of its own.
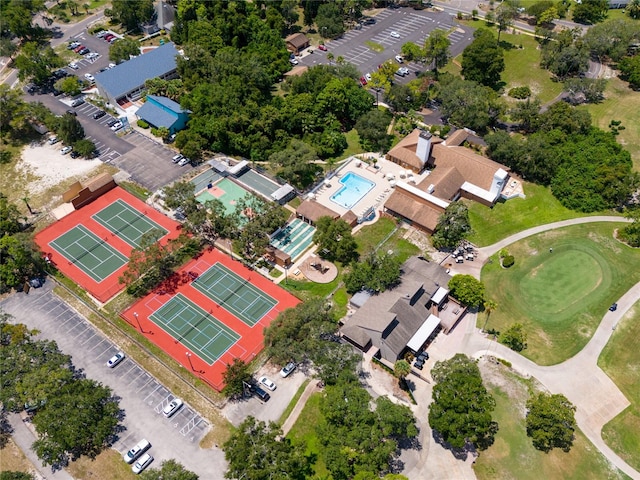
<point x="596" y="397"/>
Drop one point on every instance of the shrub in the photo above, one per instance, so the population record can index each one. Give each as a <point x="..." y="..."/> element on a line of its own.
<point x="143" y="124"/>
<point x="508" y="261"/>
<point x="520" y="92"/>
<point x="506" y="363"/>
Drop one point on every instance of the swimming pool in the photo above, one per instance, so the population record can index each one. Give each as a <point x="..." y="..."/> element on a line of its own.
<point x="354" y="188"/>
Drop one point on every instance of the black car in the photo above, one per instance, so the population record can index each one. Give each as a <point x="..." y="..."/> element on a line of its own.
<point x="74" y="154"/>
<point x="419" y="364"/>
<point x="71" y="112"/>
<point x="261" y="394"/>
<point x="99" y="114"/>
<point x="613" y="307"/>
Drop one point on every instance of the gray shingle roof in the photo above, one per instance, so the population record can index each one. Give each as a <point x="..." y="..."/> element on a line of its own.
<point x="127" y="76"/>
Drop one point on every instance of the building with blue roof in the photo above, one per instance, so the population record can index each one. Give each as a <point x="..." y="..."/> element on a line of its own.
<point x="126" y="80"/>
<point x="163" y="112"/>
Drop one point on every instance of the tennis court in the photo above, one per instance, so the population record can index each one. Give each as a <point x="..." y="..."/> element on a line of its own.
<point x="127" y="223"/>
<point x="234" y="293"/>
<point x="197" y="329"/>
<point x="259" y="183"/>
<point x="89" y="253"/>
<point x="228" y="192"/>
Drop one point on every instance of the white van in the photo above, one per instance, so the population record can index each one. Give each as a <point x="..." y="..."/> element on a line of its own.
<point x="142" y="463"/>
<point x="141" y="447"/>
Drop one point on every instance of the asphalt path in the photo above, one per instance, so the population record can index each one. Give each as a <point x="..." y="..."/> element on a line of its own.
<point x="411" y="26"/>
<point x="141" y="396"/>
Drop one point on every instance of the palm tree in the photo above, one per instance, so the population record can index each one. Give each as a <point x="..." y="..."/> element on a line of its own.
<point x="330" y="57"/>
<point x="489" y="306"/>
<point x="401" y="369"/>
<point x="86" y="7"/>
<point x="340" y="60"/>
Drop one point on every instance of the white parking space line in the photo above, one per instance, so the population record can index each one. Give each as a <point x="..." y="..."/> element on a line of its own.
<point x="133" y="366"/>
<point x="102" y="340"/>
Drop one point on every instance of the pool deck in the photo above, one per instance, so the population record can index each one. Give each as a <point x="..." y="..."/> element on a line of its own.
<point x="376" y="196"/>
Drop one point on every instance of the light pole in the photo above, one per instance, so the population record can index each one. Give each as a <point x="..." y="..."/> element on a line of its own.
<point x="135" y="315"/>
<point x="189" y="358"/>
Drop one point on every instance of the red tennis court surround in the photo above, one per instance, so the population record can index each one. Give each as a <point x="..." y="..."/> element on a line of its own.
<point x="49" y="239"/>
<point x="251" y="341"/>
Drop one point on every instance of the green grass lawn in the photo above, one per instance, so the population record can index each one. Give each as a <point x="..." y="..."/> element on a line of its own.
<point x="293" y="402"/>
<point x="370" y="236"/>
<point x="620" y="359"/>
<point x="304" y="431"/>
<point x="560" y="297"/>
<point x="623" y="104"/>
<point x="353" y="146"/>
<point x="513" y="455"/>
<point x="506" y="218"/>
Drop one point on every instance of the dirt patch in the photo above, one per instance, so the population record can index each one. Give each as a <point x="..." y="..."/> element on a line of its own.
<point x="46" y="167"/>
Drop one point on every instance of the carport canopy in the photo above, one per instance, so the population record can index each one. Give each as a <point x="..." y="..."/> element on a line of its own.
<point x="424" y="332"/>
<point x="440" y="295"/>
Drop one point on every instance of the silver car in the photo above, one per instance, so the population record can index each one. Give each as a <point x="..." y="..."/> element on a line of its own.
<point x="142" y="463"/>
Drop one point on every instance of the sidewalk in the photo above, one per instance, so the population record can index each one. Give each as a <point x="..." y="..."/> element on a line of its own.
<point x="24" y="437"/>
<point x="311" y="387"/>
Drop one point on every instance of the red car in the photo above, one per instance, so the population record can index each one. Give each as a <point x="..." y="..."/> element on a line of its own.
<point x="108" y="37"/>
<point x="322" y="47"/>
<point x="78" y="48"/>
<point x="363" y="81"/>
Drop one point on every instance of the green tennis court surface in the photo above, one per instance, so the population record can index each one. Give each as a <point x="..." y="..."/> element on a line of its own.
<point x="89" y="253"/>
<point x="234" y="293"/>
<point x="126" y="222"/>
<point x="228" y="192"/>
<point x="195" y="328"/>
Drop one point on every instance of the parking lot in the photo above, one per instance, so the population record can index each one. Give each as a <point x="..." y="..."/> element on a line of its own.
<point x="410" y="26"/>
<point x="142" y="397"/>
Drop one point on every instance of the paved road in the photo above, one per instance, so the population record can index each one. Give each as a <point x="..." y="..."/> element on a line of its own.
<point x="141" y="396"/>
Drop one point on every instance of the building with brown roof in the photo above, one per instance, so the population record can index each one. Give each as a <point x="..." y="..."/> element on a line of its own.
<point x="310" y="211"/>
<point x="454" y="172"/>
<point x="406" y="317"/>
<point x="296" y="42"/>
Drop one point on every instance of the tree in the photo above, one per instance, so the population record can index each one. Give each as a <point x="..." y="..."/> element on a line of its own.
<point x="131" y="13"/>
<point x="410" y="52"/>
<point x="537" y="9"/>
<point x="335" y="241"/>
<point x="15" y="476"/>
<point x="372" y="130"/>
<point x="329" y="20"/>
<point x="505" y="15"/>
<point x="591" y="88"/>
<point x="123" y="49"/>
<point x="69" y="129"/>
<point x="612" y="39"/>
<point x="259" y="451"/>
<point x="80" y="419"/>
<point x="36" y="62"/>
<point x="567" y="56"/>
<point x="69" y="85"/>
<point x="19" y="261"/>
<point x="630" y="70"/>
<point x="589" y="12"/>
<point x="7" y="47"/>
<point x="375" y="273"/>
<point x="483" y="59"/>
<point x="551" y="422"/>
<point x="10" y="217"/>
<point x="633" y="9"/>
<point x="630" y="233"/>
<point x="401" y="369"/>
<point x="436" y="49"/>
<point x="527" y="114"/>
<point x="467" y="290"/>
<point x="85" y="148"/>
<point x="169" y="470"/>
<point x="515" y="337"/>
<point x="297" y="163"/>
<point x="236" y="377"/>
<point x="453" y="226"/>
<point x="461" y="407"/>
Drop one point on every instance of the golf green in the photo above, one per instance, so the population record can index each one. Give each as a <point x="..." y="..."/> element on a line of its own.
<point x="559" y="296"/>
<point x="560" y="281"/>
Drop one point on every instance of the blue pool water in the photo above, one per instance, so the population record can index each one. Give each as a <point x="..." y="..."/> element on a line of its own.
<point x="354" y="188"/>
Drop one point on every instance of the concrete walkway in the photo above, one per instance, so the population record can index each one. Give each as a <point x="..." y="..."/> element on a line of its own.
<point x="597" y="399"/>
<point x="311" y="387"/>
<point x="24" y="437"/>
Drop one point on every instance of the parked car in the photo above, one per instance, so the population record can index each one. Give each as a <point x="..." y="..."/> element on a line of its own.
<point x="84" y="51"/>
<point x="99" y="114"/>
<point x="112" y="122"/>
<point x="139" y="448"/>
<point x="395" y="34"/>
<point x="173" y="406"/>
<point x="287" y="369"/>
<point x="73" y="45"/>
<point x="261" y="394"/>
<point x="368" y="77"/>
<point x="116" y="126"/>
<point x="71" y="112"/>
<point x="183" y="162"/>
<point x="92" y="55"/>
<point x="101" y="33"/>
<point x="399" y="59"/>
<point x="115" y="360"/>
<point x="108" y="37"/>
<point x="113" y="40"/>
<point x="322" y="47"/>
<point x="89" y="77"/>
<point x="112" y="65"/>
<point x="73" y="65"/>
<point x="78" y="48"/>
<point x="267" y="382"/>
<point x="53" y="140"/>
<point x="74" y="154"/>
<point x="369" y="21"/>
<point x="363" y="81"/>
<point x="177" y="158"/>
<point x="66" y="149"/>
<point x="77" y="102"/>
<point x="293" y="61"/>
<point x="142" y="463"/>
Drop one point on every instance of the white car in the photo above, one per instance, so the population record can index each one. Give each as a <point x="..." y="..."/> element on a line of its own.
<point x="293" y="61"/>
<point x="173" y="406"/>
<point x="183" y="162"/>
<point x="140" y="447"/>
<point x="116" y="126"/>
<point x="66" y="150"/>
<point x="142" y="463"/>
<point x="368" y="77"/>
<point x="115" y="360"/>
<point x="73" y="65"/>
<point x="266" y="382"/>
<point x="395" y="34"/>
<point x="89" y="77"/>
<point x="92" y="55"/>
<point x="287" y="369"/>
<point x="177" y="158"/>
<point x="399" y="59"/>
<point x="111" y="65"/>
<point x="53" y="140"/>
